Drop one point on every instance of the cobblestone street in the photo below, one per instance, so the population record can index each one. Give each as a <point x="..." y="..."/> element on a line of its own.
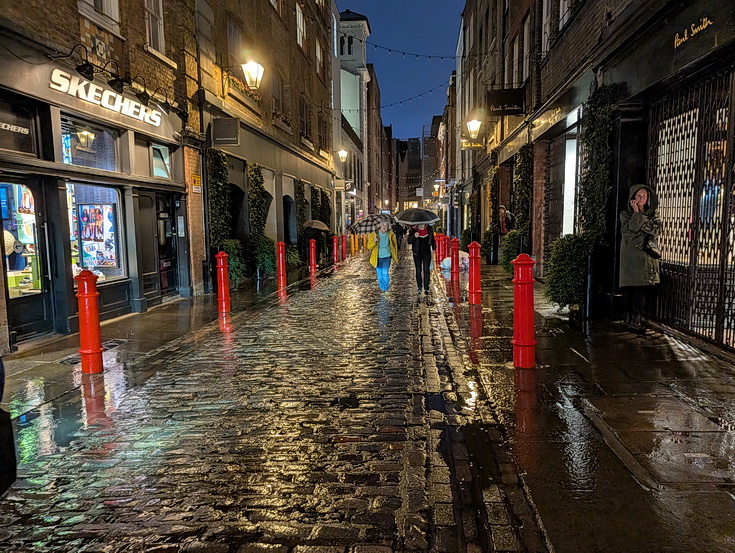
<point x="335" y="419"/>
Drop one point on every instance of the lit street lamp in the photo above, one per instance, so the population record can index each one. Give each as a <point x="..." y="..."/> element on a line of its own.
<point x="342" y="155"/>
<point x="253" y="74"/>
<point x="473" y="127"/>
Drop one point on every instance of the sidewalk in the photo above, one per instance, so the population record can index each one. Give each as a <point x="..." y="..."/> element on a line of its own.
<point x="616" y="435"/>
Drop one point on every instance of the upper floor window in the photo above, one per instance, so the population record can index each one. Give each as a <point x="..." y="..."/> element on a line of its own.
<point x="334" y="36"/>
<point x="342" y="42"/>
<point x="234" y="44"/>
<point x="105" y="13"/>
<point x="300" y="27"/>
<point x="546" y="26"/>
<point x="278" y="91"/>
<point x="319" y="59"/>
<point x="350" y="45"/>
<point x="304" y="118"/>
<point x="564" y="9"/>
<point x="320" y="3"/>
<point x="526" y="49"/>
<point x="154" y="25"/>
<point x="516" y="61"/>
<point x="322" y="132"/>
<point x="161" y="161"/>
<point x="275" y="3"/>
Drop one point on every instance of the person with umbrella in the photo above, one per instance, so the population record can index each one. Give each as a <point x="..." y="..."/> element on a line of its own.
<point x="313" y="229"/>
<point x="383" y="248"/>
<point x="421" y="239"/>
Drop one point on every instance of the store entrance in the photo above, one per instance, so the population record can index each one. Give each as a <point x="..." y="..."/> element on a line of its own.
<point x="166" y="235"/>
<point x="26" y="274"/>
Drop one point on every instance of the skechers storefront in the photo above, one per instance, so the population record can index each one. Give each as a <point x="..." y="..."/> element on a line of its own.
<point x="90" y="178"/>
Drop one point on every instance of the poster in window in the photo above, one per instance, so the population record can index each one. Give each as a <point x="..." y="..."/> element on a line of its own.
<point x="97" y="232"/>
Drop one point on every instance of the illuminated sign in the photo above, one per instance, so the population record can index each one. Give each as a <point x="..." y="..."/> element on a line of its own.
<point x="508" y="101"/>
<point x="693" y="29"/>
<point x="108" y="99"/>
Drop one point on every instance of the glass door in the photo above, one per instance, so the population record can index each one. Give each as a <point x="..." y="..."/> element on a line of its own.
<point x="25" y="264"/>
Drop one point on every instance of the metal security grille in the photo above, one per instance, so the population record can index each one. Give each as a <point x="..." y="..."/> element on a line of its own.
<point x="690" y="167"/>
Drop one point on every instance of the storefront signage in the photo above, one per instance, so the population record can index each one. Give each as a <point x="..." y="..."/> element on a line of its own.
<point x="15" y="128"/>
<point x="693" y="29"/>
<point x="108" y="99"/>
<point x="467" y="144"/>
<point x="226" y="131"/>
<point x="509" y="101"/>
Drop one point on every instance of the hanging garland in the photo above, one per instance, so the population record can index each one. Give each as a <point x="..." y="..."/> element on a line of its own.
<point x="316" y="208"/>
<point x="300" y="205"/>
<point x="219" y="197"/>
<point x="326" y="205"/>
<point x="522" y="188"/>
<point x="597" y="166"/>
<point x="257" y="202"/>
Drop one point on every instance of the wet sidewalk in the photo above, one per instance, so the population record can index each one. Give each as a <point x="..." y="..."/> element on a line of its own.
<point x="330" y="419"/>
<point x="624" y="442"/>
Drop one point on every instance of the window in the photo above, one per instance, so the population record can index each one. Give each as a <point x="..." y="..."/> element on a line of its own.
<point x="94" y="215"/>
<point x="342" y="45"/>
<point x="320" y="3"/>
<point x="304" y="118"/>
<point x="105" y="13"/>
<point x="278" y="93"/>
<point x="508" y="68"/>
<point x="350" y="45"/>
<point x="319" y="59"/>
<point x="300" y="27"/>
<point x="161" y="161"/>
<point x="322" y="132"/>
<point x="22" y="259"/>
<point x="516" y="61"/>
<point x="546" y="28"/>
<point x="234" y="44"/>
<point x="274" y="3"/>
<point x="154" y="25"/>
<point x="88" y="145"/>
<point x="564" y="10"/>
<point x="526" y="49"/>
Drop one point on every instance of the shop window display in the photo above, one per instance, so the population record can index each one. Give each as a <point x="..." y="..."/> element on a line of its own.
<point x="20" y="240"/>
<point x="95" y="231"/>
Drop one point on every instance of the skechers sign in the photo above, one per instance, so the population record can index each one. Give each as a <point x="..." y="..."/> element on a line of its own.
<point x="108" y="99"/>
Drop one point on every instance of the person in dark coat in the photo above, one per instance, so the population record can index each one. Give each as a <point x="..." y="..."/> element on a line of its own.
<point x="506" y="221"/>
<point x="421" y="239"/>
<point x="399" y="231"/>
<point x="639" y="268"/>
<point x="310" y="233"/>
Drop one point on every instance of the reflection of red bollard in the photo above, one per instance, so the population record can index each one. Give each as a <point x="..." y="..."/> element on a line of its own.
<point x="223" y="283"/>
<point x="455" y="259"/>
<point x="344" y="247"/>
<point x="225" y="323"/>
<point x="475" y="284"/>
<point x="312" y="280"/>
<point x="335" y="249"/>
<point x="93" y="392"/>
<point x="524" y="333"/>
<point x="437" y="249"/>
<point x="312" y="256"/>
<point x="90" y="335"/>
<point x="475" y="312"/>
<point x="447" y="240"/>
<point x="281" y="264"/>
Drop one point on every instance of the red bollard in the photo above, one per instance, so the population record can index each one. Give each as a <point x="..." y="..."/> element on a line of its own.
<point x="445" y="247"/>
<point x="335" y="249"/>
<point x="475" y="295"/>
<point x="524" y="332"/>
<point x="344" y="247"/>
<point x="223" y="283"/>
<point x="90" y="336"/>
<point x="455" y="258"/>
<point x="312" y="256"/>
<point x="281" y="264"/>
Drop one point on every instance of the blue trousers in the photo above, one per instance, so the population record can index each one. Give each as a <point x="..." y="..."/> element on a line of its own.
<point x="383" y="269"/>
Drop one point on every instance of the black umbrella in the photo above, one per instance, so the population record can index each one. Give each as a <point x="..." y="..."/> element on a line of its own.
<point x="416" y="216"/>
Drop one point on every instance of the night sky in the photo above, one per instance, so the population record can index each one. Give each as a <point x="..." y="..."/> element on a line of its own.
<point x="425" y="27"/>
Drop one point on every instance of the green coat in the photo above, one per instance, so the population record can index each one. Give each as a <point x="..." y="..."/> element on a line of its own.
<point x="637" y="268"/>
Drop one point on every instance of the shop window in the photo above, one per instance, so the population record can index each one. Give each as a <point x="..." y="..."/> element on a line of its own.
<point x="16" y="128"/>
<point x="94" y="218"/>
<point x="161" y="161"/>
<point x="154" y="25"/>
<point x="88" y="145"/>
<point x="20" y="240"/>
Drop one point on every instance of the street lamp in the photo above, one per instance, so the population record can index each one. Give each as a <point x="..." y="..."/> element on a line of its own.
<point x="342" y="153"/>
<point x="253" y="72"/>
<point x="473" y="127"/>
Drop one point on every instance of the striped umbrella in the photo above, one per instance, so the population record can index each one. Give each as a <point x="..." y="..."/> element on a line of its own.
<point x="371" y="223"/>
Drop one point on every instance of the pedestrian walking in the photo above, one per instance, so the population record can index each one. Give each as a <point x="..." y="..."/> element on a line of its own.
<point x="399" y="231"/>
<point x="639" y="253"/>
<point x="506" y="221"/>
<point x="383" y="248"/>
<point x="421" y="238"/>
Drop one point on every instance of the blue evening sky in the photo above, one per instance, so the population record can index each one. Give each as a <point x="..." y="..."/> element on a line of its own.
<point x="426" y="27"/>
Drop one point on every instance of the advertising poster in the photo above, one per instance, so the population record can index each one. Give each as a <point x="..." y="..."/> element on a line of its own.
<point x="97" y="231"/>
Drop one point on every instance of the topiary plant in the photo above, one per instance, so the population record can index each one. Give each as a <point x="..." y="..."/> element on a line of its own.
<point x="566" y="272"/>
<point x="264" y="253"/>
<point x="236" y="262"/>
<point x="510" y="245"/>
<point x="486" y="247"/>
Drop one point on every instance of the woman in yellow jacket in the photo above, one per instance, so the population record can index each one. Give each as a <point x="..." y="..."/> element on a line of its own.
<point x="383" y="247"/>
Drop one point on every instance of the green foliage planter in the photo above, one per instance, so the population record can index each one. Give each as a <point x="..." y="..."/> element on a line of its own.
<point x="509" y="246"/>
<point x="235" y="261"/>
<point x="257" y="200"/>
<point x="566" y="271"/>
<point x="486" y="247"/>
<point x="218" y="183"/>
<point x="264" y="253"/>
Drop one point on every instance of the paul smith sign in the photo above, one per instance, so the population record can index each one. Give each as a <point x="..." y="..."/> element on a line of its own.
<point x="108" y="99"/>
<point x="693" y="29"/>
